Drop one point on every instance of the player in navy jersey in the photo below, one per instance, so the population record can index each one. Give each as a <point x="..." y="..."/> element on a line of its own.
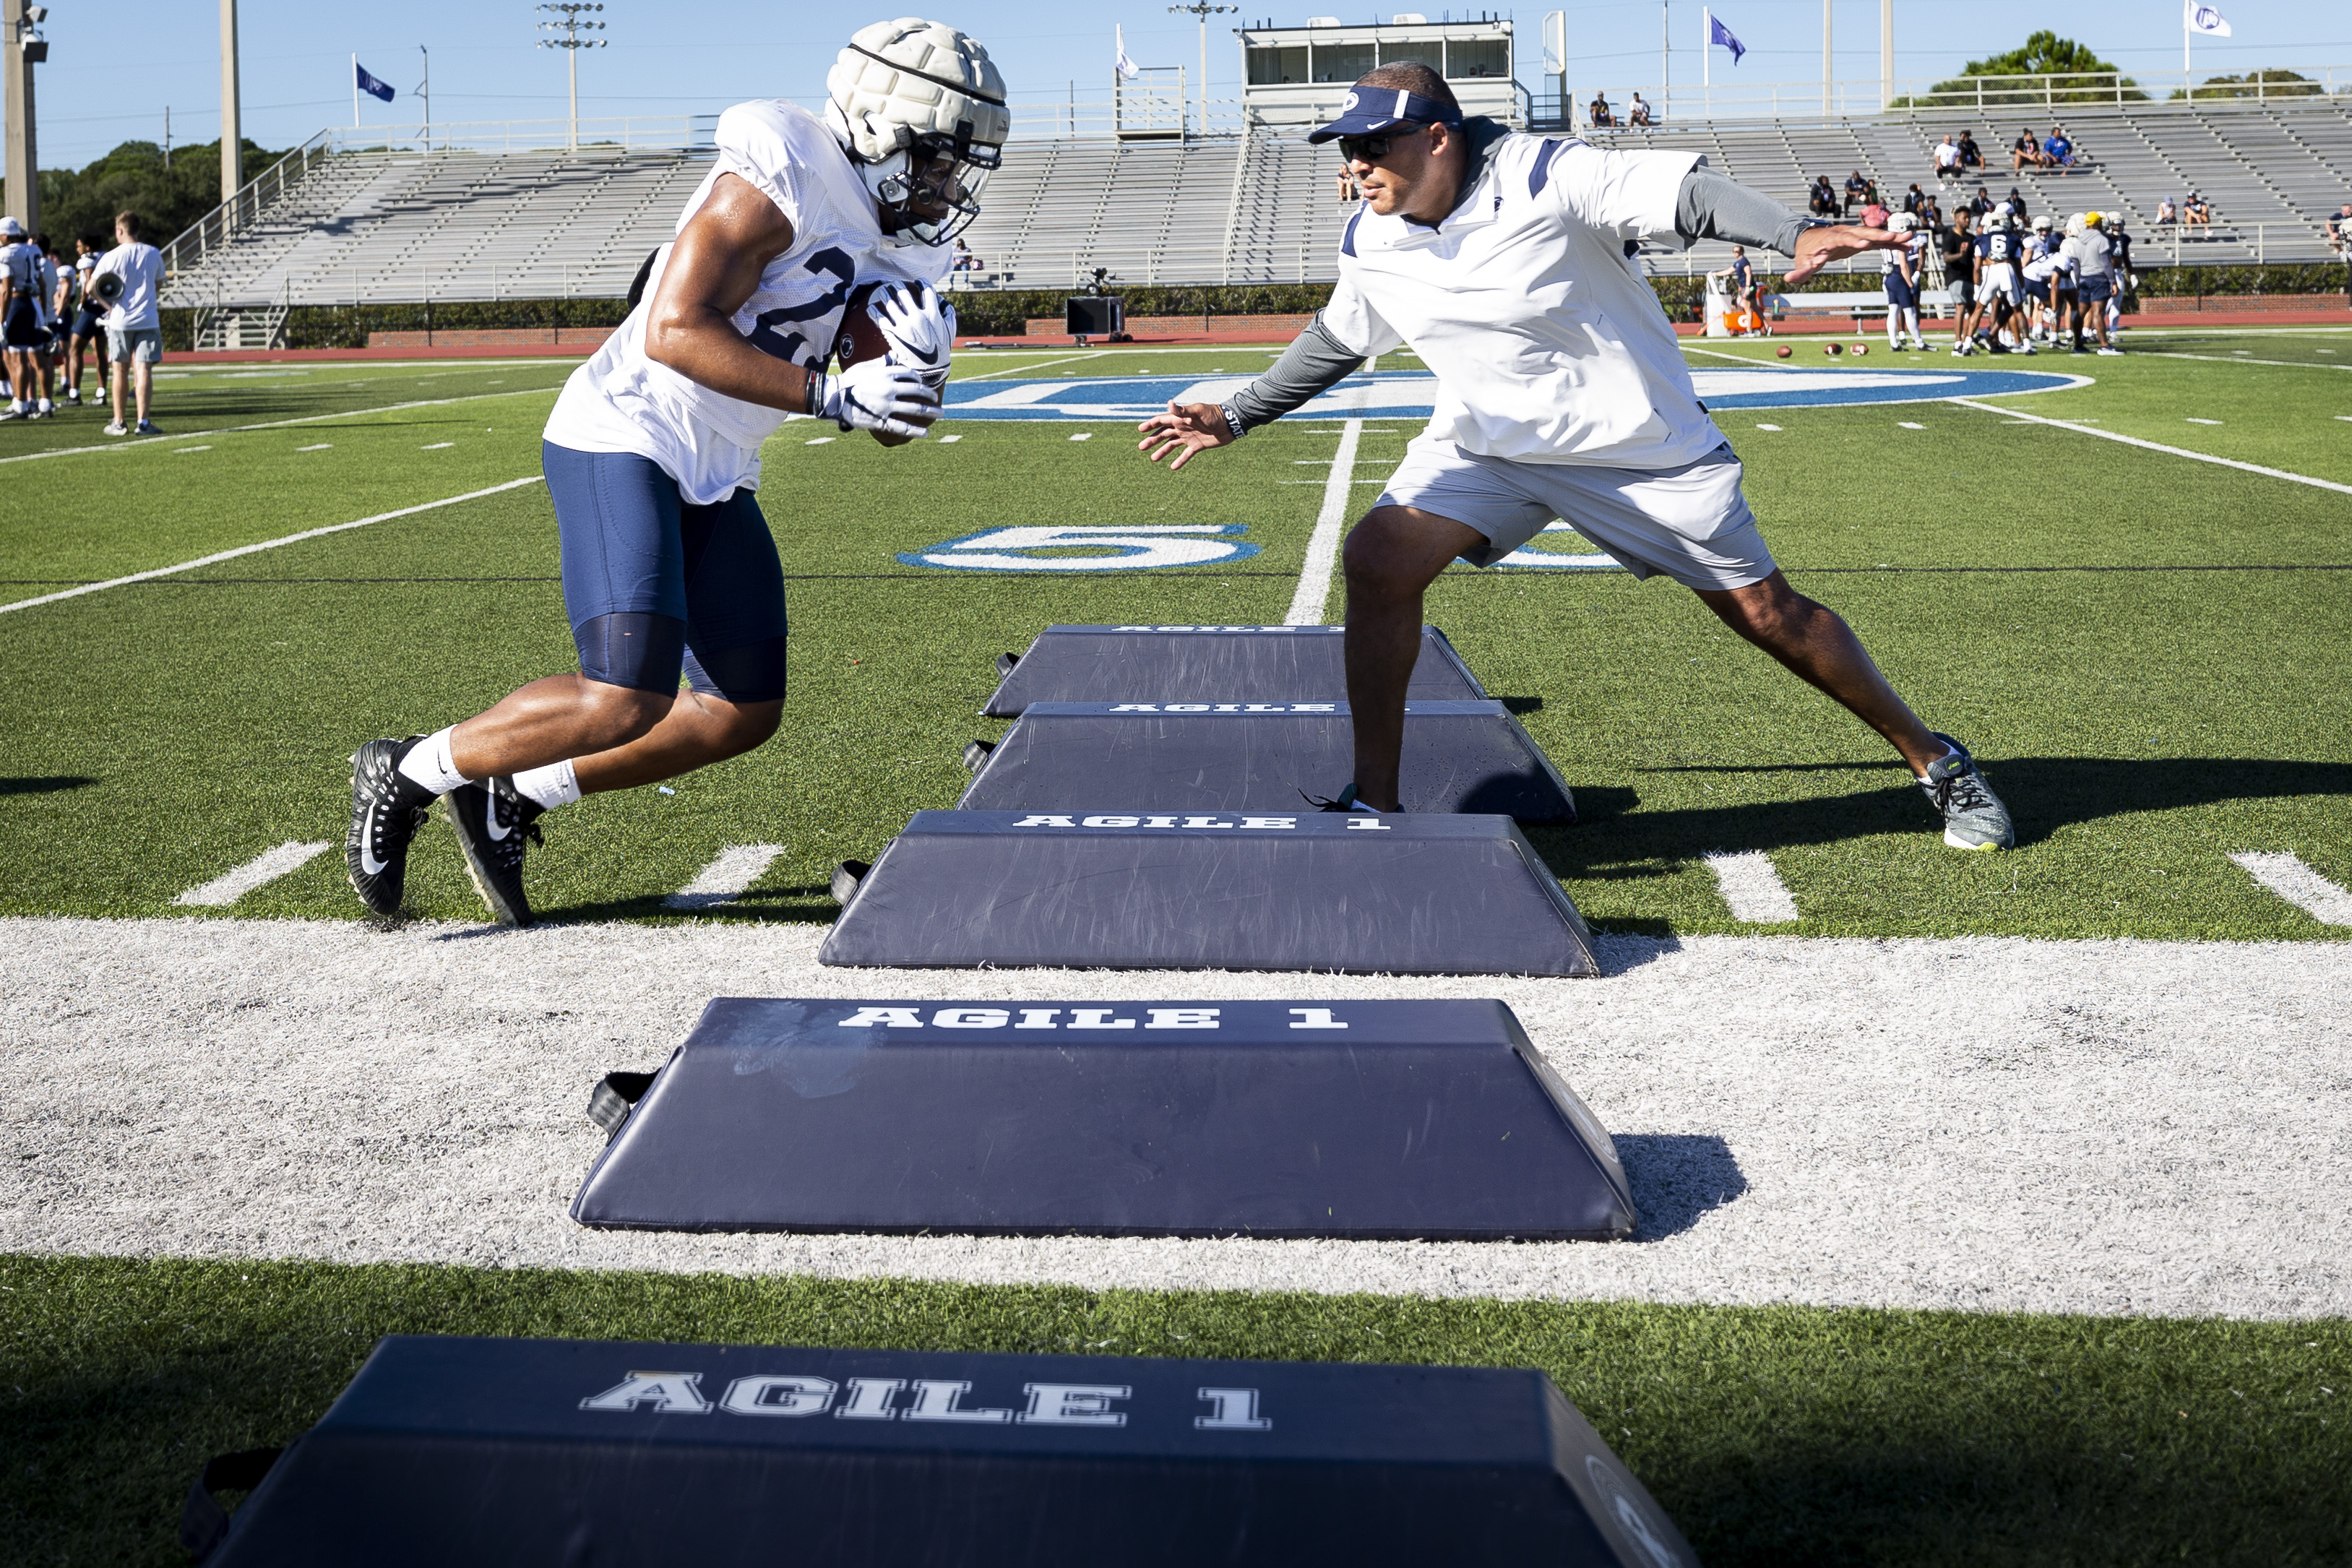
<point x="652" y="452"/>
<point x="2000" y="288"/>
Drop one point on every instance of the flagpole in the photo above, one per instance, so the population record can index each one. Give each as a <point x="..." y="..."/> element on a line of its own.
<point x="1706" y="54"/>
<point x="355" y="92"/>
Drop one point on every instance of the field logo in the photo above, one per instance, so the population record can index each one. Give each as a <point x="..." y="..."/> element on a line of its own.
<point x="1120" y="548"/>
<point x="1528" y="554"/>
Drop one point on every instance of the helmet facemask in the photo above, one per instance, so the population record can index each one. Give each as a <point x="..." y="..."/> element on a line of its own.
<point x="929" y="191"/>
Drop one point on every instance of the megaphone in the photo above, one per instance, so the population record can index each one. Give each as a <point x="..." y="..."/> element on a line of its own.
<point x="108" y="289"/>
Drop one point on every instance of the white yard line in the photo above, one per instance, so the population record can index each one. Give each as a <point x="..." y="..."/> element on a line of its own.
<point x="724" y="879"/>
<point x="2236" y="359"/>
<point x="266" y="544"/>
<point x="1752" y="887"/>
<point x="2301" y="886"/>
<point x="265" y="866"/>
<point x="2152" y="445"/>
<point x="1995" y="1124"/>
<point x="1040" y="364"/>
<point x="128" y="444"/>
<point x="1323" y="545"/>
<point x="1719" y="354"/>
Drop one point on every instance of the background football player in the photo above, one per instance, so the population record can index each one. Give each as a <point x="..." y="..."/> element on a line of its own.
<point x="652" y="453"/>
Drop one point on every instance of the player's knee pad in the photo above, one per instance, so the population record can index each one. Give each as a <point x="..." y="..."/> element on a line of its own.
<point x="633" y="648"/>
<point x="751" y="673"/>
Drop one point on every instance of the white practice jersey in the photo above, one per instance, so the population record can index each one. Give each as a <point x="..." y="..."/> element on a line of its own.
<point x="1548" y="342"/>
<point x="1916" y="248"/>
<point x="622" y="401"/>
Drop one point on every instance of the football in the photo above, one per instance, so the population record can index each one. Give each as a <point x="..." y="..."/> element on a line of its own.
<point x="1782" y="352"/>
<point x="1834" y="349"/>
<point x="1860" y="350"/>
<point x="860" y="340"/>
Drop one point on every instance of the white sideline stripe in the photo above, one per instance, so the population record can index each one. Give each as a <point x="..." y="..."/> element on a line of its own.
<point x="279" y="423"/>
<point x="265" y="866"/>
<point x="2301" y="886"/>
<point x="266" y="544"/>
<point x="2154" y="446"/>
<point x="1323" y="547"/>
<point x="723" y="881"/>
<point x="1752" y="887"/>
<point x="1036" y="364"/>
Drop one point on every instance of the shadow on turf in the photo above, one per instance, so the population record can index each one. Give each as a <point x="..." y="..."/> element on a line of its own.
<point x="1678" y="1179"/>
<point x="2043" y="794"/>
<point x="44" y="785"/>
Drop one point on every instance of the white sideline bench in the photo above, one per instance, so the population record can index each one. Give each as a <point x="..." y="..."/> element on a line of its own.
<point x="1932" y="301"/>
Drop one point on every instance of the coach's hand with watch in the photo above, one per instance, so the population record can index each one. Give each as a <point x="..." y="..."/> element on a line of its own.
<point x="1186" y="429"/>
<point x="1816" y="247"/>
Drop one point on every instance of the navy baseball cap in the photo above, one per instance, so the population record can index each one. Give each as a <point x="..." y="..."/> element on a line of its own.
<point x="1372" y="109"/>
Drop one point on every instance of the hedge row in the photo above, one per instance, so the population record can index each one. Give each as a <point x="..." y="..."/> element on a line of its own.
<point x="1003" y="315"/>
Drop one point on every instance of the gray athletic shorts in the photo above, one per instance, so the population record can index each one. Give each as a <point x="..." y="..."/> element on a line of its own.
<point x="1690" y="523"/>
<point x="140" y="343"/>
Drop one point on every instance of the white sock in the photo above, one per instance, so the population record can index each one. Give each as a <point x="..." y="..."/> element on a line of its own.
<point x="551" y="786"/>
<point x="428" y="763"/>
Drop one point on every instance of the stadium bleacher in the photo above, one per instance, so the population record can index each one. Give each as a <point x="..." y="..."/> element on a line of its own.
<point x="376" y="226"/>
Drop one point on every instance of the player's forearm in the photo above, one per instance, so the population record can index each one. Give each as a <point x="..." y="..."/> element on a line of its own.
<point x="1709" y="206"/>
<point x="710" y="352"/>
<point x="1315" y="363"/>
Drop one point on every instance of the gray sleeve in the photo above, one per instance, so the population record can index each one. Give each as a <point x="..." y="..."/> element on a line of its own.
<point x="1315" y="363"/>
<point x="1712" y="207"/>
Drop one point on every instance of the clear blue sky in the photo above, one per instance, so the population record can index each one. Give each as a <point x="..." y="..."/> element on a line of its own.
<point x="115" y="66"/>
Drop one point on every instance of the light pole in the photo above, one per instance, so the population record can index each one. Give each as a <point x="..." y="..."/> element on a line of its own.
<point x="569" y="23"/>
<point x="1204" y="10"/>
<point x="22" y="49"/>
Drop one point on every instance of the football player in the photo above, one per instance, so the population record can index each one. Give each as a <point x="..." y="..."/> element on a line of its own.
<point x="1998" y="291"/>
<point x="652" y="453"/>
<point x="1899" y="269"/>
<point x="1507" y="262"/>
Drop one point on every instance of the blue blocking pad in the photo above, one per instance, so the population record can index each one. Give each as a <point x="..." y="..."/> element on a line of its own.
<point x="1207" y="664"/>
<point x="1261" y="756"/>
<point x="519" y="1453"/>
<point x="1124" y="888"/>
<point x="1388" y="1119"/>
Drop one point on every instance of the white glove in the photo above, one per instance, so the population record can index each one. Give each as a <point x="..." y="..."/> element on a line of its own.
<point x="920" y="327"/>
<point x="875" y="395"/>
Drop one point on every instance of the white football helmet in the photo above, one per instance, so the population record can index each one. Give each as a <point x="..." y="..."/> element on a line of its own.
<point x="1902" y="222"/>
<point x="919" y="109"/>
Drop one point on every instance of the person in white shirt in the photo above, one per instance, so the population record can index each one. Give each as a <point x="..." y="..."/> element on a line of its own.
<point x="135" y="327"/>
<point x="23" y="329"/>
<point x="1507" y="262"/>
<point x="652" y="451"/>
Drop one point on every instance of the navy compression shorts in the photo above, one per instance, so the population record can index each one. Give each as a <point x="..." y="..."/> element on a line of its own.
<point x="655" y="589"/>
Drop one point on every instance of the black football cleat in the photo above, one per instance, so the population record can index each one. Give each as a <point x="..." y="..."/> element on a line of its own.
<point x="492" y="822"/>
<point x="386" y="810"/>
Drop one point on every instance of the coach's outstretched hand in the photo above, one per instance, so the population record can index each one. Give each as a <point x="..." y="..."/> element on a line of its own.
<point x="1186" y="429"/>
<point x="875" y="395"/>
<point x="1834" y="242"/>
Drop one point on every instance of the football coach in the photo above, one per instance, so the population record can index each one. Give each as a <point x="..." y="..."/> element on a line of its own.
<point x="1507" y="262"/>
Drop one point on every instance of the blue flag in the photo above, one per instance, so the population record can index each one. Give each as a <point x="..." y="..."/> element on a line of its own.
<point x="369" y="85"/>
<point x="1719" y="34"/>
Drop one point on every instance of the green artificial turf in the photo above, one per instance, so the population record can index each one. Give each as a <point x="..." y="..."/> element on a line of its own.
<point x="2145" y="651"/>
<point x="1772" y="1435"/>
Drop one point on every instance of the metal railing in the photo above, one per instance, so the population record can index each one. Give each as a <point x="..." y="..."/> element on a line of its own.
<point x="215" y="227"/>
<point x="2330" y="86"/>
<point x="619" y="132"/>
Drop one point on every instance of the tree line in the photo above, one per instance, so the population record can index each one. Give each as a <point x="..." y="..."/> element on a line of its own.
<point x="168" y="195"/>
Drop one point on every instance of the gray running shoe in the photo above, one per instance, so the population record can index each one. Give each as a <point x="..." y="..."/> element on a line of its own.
<point x="1974" y="817"/>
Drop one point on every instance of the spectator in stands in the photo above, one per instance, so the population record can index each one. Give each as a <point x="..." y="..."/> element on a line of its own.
<point x="1914" y="199"/>
<point x="2340" y="229"/>
<point x="2013" y="204"/>
<point x="1979" y="204"/>
<point x="1947" y="160"/>
<point x="1602" y="115"/>
<point x="2166" y="213"/>
<point x="1931" y="214"/>
<point x="2058" y="152"/>
<point x="965" y="261"/>
<point x="2196" y="214"/>
<point x="1640" y="114"/>
<point x="1857" y="193"/>
<point x="21" y="327"/>
<point x="2025" y="153"/>
<point x="1821" y="199"/>
<point x="135" y="327"/>
<point x="86" y="335"/>
<point x="1971" y="157"/>
<point x="1957" y="248"/>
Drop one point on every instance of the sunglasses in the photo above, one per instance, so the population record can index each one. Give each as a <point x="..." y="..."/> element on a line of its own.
<point x="1371" y="149"/>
